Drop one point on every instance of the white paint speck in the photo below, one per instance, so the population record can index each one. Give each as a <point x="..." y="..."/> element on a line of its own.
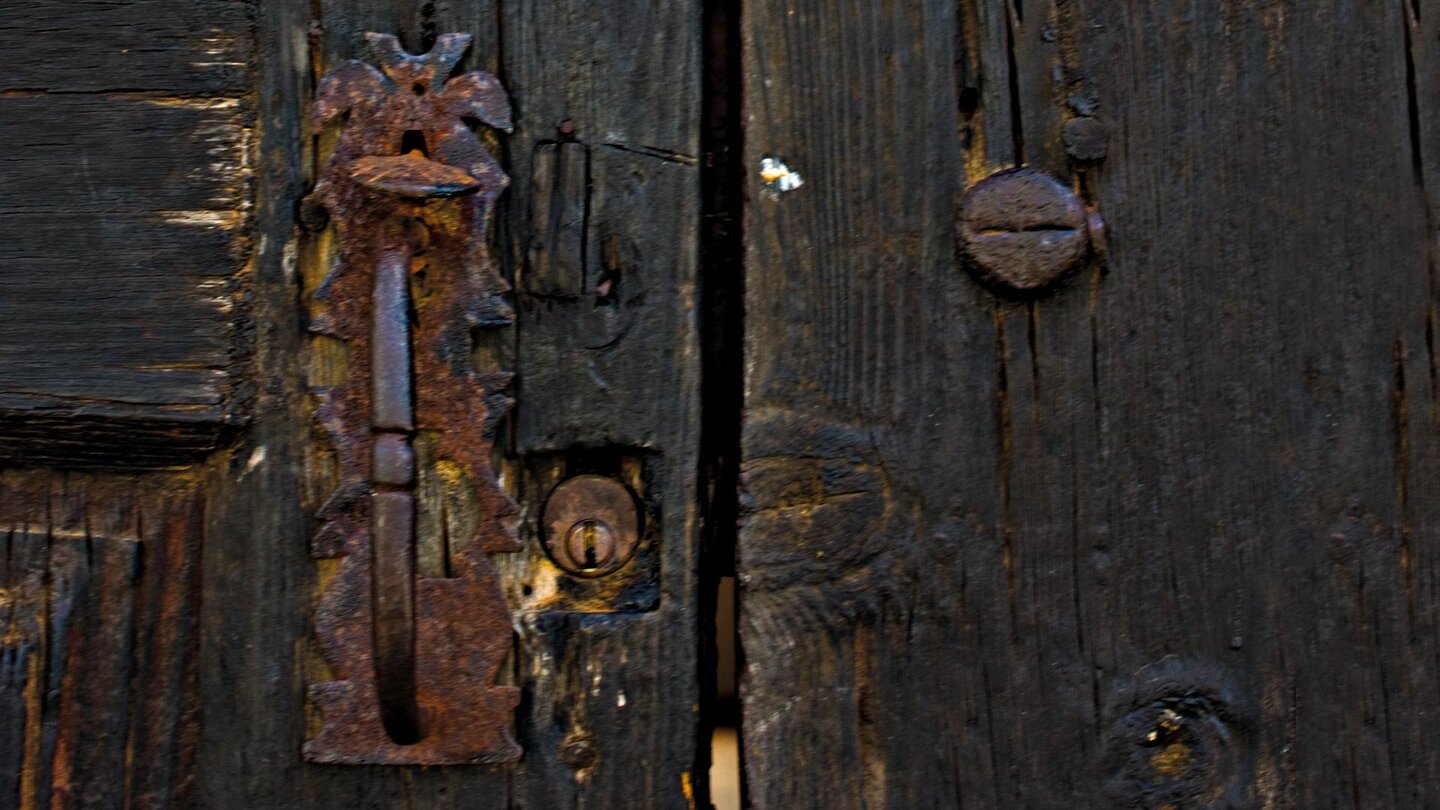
<point x="778" y="177"/>
<point x="257" y="457"/>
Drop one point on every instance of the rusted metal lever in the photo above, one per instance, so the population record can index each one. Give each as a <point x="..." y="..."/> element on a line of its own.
<point x="392" y="498"/>
<point x="411" y="187"/>
<point x="392" y="419"/>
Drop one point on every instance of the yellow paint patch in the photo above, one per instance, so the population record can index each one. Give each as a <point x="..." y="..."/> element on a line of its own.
<point x="687" y="789"/>
<point x="1173" y="761"/>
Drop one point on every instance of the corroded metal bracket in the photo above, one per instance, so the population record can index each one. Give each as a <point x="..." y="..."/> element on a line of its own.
<point x="411" y="190"/>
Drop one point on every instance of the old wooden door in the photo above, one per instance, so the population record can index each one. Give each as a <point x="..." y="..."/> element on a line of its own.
<point x="162" y="362"/>
<point x="1069" y="367"/>
<point x="1160" y="534"/>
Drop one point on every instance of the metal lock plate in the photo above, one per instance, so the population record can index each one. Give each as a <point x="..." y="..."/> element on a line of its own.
<point x="591" y="525"/>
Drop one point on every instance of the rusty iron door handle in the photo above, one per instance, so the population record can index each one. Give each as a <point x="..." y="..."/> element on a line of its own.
<point x="392" y="497"/>
<point x="410" y="186"/>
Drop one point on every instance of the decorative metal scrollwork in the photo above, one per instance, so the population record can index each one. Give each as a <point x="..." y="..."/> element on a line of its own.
<point x="411" y="190"/>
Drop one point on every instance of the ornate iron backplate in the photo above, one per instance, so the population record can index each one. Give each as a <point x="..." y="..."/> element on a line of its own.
<point x="411" y="189"/>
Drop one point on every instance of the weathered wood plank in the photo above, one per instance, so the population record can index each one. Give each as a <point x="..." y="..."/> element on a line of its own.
<point x="130" y="310"/>
<point x="625" y="75"/>
<point x="199" y="47"/>
<point x="133" y="321"/>
<point x="601" y="327"/>
<point x="1418" y="408"/>
<point x="1278" y="508"/>
<point x="612" y="364"/>
<point x="847" y="354"/>
<point x="256" y="577"/>
<point x="123" y="234"/>
<point x="1187" y="484"/>
<point x="100" y="602"/>
<point x="106" y="155"/>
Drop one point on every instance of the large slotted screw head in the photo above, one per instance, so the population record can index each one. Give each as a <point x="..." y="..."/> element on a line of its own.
<point x="1020" y="230"/>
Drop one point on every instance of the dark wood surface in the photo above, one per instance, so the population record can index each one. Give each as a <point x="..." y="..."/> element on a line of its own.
<point x="123" y="229"/>
<point x="98" y="594"/>
<point x="1163" y="535"/>
<point x="183" y="47"/>
<point x="991" y="541"/>
<point x="154" y="316"/>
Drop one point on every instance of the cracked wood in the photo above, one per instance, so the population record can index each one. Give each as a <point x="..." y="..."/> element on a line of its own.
<point x="124" y="230"/>
<point x="1165" y="536"/>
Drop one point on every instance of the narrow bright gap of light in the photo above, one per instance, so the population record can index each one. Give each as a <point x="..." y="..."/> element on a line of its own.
<point x="725" y="769"/>
<point x="725" y="741"/>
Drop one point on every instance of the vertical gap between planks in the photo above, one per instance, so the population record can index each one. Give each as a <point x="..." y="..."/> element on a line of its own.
<point x="722" y="290"/>
<point x="1017" y="120"/>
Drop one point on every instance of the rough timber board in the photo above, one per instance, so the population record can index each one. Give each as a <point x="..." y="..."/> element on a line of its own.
<point x="124" y="202"/>
<point x="991" y="539"/>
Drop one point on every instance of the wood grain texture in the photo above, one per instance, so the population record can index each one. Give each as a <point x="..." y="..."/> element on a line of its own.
<point x="593" y="344"/>
<point x="98" y="597"/>
<point x="123" y="231"/>
<point x="611" y="367"/>
<point x="88" y="46"/>
<point x="256" y="578"/>
<point x="992" y="543"/>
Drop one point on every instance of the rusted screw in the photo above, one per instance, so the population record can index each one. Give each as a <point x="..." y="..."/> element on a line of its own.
<point x="1020" y="230"/>
<point x="1086" y="139"/>
<point x="591" y="525"/>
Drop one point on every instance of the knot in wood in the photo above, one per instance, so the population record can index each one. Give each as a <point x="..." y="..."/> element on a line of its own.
<point x="1184" y="741"/>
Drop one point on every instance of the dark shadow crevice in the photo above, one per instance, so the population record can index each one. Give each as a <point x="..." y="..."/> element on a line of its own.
<point x="722" y="290"/>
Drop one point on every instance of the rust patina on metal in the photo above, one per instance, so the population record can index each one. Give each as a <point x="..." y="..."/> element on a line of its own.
<point x="591" y="525"/>
<point x="411" y="190"/>
<point x="1020" y="231"/>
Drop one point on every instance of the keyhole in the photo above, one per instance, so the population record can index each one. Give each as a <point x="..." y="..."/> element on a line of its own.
<point x="418" y="89"/>
<point x="591" y="525"/>
<point x="591" y="544"/>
